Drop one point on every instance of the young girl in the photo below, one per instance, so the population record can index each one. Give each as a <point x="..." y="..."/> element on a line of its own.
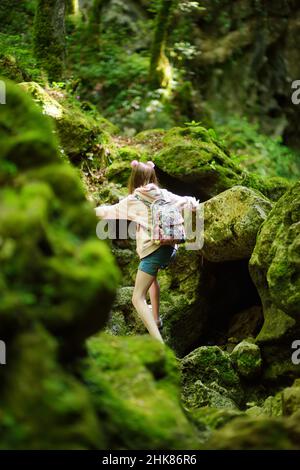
<point x="143" y="185"/>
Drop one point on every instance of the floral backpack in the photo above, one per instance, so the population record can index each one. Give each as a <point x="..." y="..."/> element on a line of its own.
<point x="166" y="221"/>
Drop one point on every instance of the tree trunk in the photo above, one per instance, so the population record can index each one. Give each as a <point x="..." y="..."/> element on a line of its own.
<point x="159" y="63"/>
<point x="95" y="19"/>
<point x="49" y="37"/>
<point x="72" y="7"/>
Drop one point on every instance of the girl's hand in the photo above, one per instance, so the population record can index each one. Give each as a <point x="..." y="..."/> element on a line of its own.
<point x="100" y="211"/>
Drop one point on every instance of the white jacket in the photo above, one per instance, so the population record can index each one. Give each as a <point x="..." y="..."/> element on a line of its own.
<point x="132" y="209"/>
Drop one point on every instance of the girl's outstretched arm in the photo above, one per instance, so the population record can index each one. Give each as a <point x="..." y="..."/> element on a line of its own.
<point x="121" y="210"/>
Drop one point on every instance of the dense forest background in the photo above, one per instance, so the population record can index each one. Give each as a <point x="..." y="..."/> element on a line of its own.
<point x="227" y="65"/>
<point x="204" y="89"/>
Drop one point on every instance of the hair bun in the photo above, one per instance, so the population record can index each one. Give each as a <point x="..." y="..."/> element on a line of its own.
<point x="134" y="163"/>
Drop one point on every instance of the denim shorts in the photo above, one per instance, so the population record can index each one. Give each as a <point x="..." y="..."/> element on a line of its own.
<point x="159" y="259"/>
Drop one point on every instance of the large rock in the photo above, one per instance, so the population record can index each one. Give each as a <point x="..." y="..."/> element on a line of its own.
<point x="247" y="360"/>
<point x="209" y="379"/>
<point x="42" y="405"/>
<point x="275" y="269"/>
<point x="208" y="419"/>
<point x="193" y="159"/>
<point x="53" y="268"/>
<point x="82" y="136"/>
<point x="271" y="407"/>
<point x="134" y="382"/>
<point x="291" y="399"/>
<point x="231" y="222"/>
<point x="258" y="433"/>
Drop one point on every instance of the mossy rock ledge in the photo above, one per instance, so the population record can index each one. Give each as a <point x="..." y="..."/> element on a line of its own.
<point x="82" y="136"/>
<point x="275" y="270"/>
<point x="231" y="222"/>
<point x="193" y="159"/>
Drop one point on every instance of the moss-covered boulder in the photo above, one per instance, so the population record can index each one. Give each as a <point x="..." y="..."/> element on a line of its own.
<point x="57" y="284"/>
<point x="271" y="407"/>
<point x="42" y="405"/>
<point x="291" y="399"/>
<point x="258" y="433"/>
<point x="83" y="136"/>
<point x="193" y="159"/>
<point x="119" y="170"/>
<point x="209" y="379"/>
<point x="247" y="359"/>
<point x="53" y="268"/>
<point x="208" y="419"/>
<point x="11" y="69"/>
<point x="275" y="269"/>
<point x="231" y="222"/>
<point x="134" y="382"/>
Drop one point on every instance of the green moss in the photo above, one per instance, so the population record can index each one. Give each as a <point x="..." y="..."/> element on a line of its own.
<point x="208" y="378"/>
<point x="192" y="155"/>
<point x="9" y="68"/>
<point x="291" y="399"/>
<point x="208" y="419"/>
<point x="134" y="383"/>
<point x="272" y="406"/>
<point x="247" y="359"/>
<point x="119" y="172"/>
<point x="53" y="269"/>
<point x="256" y="434"/>
<point x="49" y="37"/>
<point x="273" y="267"/>
<point x="35" y="144"/>
<point x="45" y="407"/>
<point x="83" y="136"/>
<point x="149" y="135"/>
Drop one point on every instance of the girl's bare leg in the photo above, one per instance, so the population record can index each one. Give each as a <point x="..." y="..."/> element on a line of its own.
<point x="143" y="282"/>
<point x="154" y="292"/>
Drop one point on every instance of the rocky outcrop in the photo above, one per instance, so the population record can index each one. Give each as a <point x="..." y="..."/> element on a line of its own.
<point x="134" y="384"/>
<point x="82" y="137"/>
<point x="192" y="160"/>
<point x="43" y="406"/>
<point x="209" y="379"/>
<point x="259" y="433"/>
<point x="291" y="399"/>
<point x="231" y="222"/>
<point x="57" y="284"/>
<point x="61" y="273"/>
<point x="275" y="269"/>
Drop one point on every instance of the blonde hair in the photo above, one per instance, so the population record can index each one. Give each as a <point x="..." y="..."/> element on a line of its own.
<point x="141" y="174"/>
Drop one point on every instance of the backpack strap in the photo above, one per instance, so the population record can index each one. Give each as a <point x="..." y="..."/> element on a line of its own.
<point x="148" y="203"/>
